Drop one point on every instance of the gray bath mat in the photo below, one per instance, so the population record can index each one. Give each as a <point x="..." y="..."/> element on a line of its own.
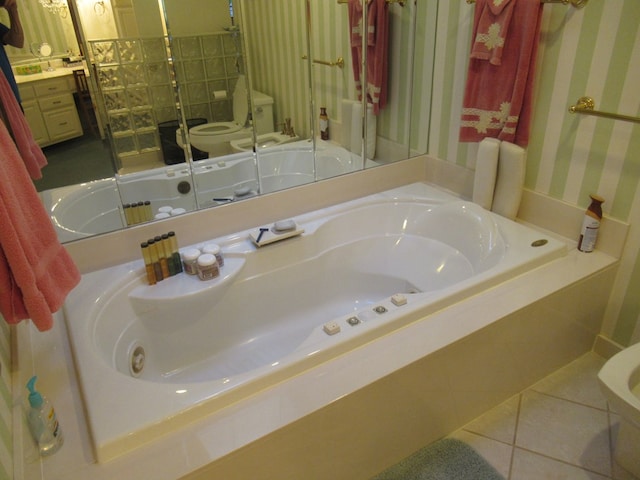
<point x="446" y="459"/>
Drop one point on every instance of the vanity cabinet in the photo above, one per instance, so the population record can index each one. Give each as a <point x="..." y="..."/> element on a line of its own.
<point x="51" y="110"/>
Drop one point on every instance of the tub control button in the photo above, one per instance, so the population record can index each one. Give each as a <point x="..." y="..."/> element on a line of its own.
<point x="331" y="328"/>
<point x="398" y="300"/>
<point x="380" y="309"/>
<point x="353" y="321"/>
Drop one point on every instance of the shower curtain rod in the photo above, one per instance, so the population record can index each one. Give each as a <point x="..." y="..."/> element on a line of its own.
<point x="575" y="3"/>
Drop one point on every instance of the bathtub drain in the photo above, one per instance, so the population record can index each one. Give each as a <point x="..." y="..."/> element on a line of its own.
<point x="137" y="358"/>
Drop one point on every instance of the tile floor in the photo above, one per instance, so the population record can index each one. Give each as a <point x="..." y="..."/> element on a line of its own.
<point x="560" y="428"/>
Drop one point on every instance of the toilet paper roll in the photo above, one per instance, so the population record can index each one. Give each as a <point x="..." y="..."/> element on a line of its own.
<point x="219" y="94"/>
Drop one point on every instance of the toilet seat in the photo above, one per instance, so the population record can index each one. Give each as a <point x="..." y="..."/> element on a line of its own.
<point x="240" y="114"/>
<point x="620" y="380"/>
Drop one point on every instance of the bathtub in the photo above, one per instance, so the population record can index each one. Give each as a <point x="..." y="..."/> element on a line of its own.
<point x="86" y="209"/>
<point x="360" y="270"/>
<point x="218" y="180"/>
<point x="82" y="210"/>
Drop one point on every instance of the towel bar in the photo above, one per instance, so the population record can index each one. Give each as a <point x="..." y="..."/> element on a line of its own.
<point x="586" y="106"/>
<point x="338" y="63"/>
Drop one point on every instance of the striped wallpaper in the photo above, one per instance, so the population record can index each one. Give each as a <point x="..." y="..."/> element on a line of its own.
<point x="594" y="51"/>
<point x="276" y="40"/>
<point x="40" y="26"/>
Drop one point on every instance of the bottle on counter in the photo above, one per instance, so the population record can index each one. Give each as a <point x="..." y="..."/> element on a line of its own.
<point x="43" y="422"/>
<point x="591" y="224"/>
<point x="324" y="124"/>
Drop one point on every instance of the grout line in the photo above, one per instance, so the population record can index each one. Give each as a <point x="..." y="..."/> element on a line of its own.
<point x="559" y="460"/>
<point x="515" y="436"/>
<point x="569" y="400"/>
<point x="610" y="434"/>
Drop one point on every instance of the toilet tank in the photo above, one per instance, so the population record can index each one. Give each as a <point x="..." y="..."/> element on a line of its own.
<point x="262" y="113"/>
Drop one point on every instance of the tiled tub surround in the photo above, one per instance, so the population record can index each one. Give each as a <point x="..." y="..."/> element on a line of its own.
<point x="499" y="343"/>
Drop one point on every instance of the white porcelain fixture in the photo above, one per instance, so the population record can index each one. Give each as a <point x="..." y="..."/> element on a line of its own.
<point x="266" y="140"/>
<point x="620" y="382"/>
<point x="215" y="137"/>
<point x="361" y="269"/>
<point x="83" y="210"/>
<point x="86" y="209"/>
<point x="280" y="167"/>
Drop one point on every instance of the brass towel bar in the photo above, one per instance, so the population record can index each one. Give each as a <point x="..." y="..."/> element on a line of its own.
<point x="575" y="3"/>
<point x="338" y="63"/>
<point x="586" y="106"/>
<point x="399" y="2"/>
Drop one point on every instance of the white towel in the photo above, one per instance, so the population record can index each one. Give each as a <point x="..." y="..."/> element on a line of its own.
<point x="510" y="180"/>
<point x="347" y="113"/>
<point x="484" y="182"/>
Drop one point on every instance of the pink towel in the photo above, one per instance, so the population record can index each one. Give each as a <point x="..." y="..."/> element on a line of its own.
<point x="30" y="152"/>
<point x="497" y="98"/>
<point x="36" y="272"/>
<point x="377" y="50"/>
<point x="492" y="30"/>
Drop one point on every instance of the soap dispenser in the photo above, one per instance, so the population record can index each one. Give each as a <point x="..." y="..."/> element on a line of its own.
<point x="43" y="422"/>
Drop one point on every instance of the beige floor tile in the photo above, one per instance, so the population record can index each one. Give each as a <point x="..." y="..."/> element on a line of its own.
<point x="497" y="454"/>
<point x="499" y="423"/>
<point x="577" y="382"/>
<point x="530" y="466"/>
<point x="565" y="431"/>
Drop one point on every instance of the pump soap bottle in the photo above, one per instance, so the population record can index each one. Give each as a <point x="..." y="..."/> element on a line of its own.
<point x="591" y="224"/>
<point x="43" y="422"/>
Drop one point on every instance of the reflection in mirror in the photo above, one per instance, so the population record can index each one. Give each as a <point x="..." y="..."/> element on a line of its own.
<point x="293" y="88"/>
<point x="276" y="34"/>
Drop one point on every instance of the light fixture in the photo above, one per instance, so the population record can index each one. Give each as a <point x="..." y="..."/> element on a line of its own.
<point x="59" y="7"/>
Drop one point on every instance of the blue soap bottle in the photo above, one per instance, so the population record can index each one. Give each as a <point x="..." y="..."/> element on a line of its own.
<point x="43" y="422"/>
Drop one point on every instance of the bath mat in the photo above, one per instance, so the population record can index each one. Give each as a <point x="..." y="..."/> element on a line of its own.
<point x="446" y="459"/>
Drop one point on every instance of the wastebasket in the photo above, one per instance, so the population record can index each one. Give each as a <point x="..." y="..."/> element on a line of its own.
<point x="171" y="151"/>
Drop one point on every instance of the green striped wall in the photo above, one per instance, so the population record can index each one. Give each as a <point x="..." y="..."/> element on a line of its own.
<point x="594" y="51"/>
<point x="40" y="26"/>
<point x="276" y="39"/>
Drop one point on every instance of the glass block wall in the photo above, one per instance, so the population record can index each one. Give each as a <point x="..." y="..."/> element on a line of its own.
<point x="136" y="83"/>
<point x="204" y="65"/>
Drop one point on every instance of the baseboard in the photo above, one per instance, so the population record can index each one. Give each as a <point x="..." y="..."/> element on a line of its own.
<point x="605" y="347"/>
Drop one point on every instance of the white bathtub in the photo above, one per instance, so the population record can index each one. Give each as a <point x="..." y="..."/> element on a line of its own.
<point x="83" y="210"/>
<point x="86" y="209"/>
<point x="219" y="179"/>
<point x="209" y="344"/>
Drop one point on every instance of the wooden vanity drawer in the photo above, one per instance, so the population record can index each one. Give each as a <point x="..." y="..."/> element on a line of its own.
<point x="56" y="101"/>
<point x="26" y="92"/>
<point x="51" y="87"/>
<point x="62" y="123"/>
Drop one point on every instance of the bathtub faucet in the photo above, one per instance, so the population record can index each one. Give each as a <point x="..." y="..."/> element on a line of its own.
<point x="287" y="128"/>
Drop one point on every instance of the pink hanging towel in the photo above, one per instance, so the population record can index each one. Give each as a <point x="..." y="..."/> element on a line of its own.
<point x="499" y="89"/>
<point x="377" y="50"/>
<point x="36" y="272"/>
<point x="30" y="151"/>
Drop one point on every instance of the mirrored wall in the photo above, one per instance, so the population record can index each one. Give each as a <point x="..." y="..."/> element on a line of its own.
<point x="206" y="102"/>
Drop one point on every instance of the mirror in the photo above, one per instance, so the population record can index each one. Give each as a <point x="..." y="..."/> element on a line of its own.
<point x="267" y="42"/>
